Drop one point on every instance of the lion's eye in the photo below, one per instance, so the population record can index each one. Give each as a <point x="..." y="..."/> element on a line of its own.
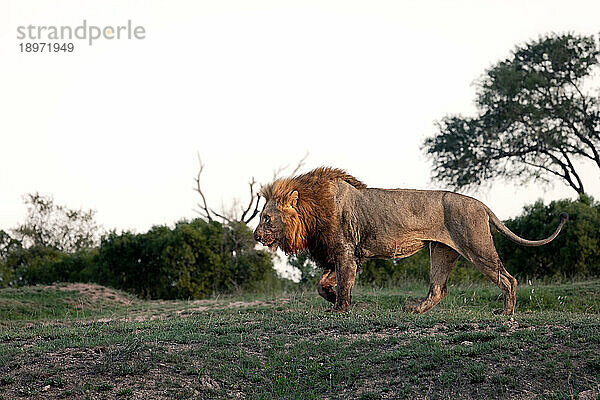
<point x="267" y="219"/>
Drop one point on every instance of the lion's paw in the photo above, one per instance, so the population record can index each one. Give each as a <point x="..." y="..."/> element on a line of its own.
<point x="413" y="308"/>
<point x="335" y="309"/>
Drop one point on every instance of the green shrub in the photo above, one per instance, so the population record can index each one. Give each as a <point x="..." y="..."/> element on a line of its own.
<point x="193" y="260"/>
<point x="576" y="250"/>
<point x="309" y="272"/>
<point x="45" y="265"/>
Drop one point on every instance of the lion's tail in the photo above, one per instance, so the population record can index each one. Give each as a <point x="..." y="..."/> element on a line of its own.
<point x="507" y="232"/>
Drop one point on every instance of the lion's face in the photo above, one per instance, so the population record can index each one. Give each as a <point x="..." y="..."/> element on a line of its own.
<point x="271" y="229"/>
<point x="278" y="224"/>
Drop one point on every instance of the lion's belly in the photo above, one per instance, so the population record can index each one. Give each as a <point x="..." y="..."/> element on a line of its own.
<point x="398" y="248"/>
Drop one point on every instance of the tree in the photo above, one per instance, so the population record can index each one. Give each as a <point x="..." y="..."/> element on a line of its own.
<point x="48" y="224"/>
<point x="8" y="245"/>
<point x="536" y="119"/>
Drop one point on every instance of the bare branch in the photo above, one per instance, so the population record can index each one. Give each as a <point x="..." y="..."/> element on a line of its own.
<point x="204" y="205"/>
<point x="277" y="172"/>
<point x="300" y="164"/>
<point x="255" y="212"/>
<point x="224" y="218"/>
<point x="252" y="199"/>
<point x="251" y="210"/>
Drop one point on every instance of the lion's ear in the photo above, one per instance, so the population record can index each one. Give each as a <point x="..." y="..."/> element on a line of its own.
<point x="293" y="199"/>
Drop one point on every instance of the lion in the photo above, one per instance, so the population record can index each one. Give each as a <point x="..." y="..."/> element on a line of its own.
<point x="341" y="223"/>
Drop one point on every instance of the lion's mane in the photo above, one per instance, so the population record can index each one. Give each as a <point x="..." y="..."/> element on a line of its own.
<point x="311" y="224"/>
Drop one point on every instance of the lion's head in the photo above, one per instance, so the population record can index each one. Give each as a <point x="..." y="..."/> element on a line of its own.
<point x="299" y="211"/>
<point x="280" y="224"/>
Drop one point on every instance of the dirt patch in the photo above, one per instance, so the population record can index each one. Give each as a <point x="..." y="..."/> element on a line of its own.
<point x="133" y="318"/>
<point x="183" y="309"/>
<point x="246" y="304"/>
<point x="192" y="310"/>
<point x="95" y="293"/>
<point x="437" y="330"/>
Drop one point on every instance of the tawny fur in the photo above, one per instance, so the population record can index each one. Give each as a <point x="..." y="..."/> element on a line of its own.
<point x="341" y="222"/>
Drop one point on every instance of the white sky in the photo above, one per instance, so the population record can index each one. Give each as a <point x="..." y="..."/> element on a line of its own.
<point x="251" y="85"/>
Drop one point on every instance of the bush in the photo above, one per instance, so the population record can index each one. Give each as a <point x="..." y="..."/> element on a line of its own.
<point x="8" y="246"/>
<point x="309" y="272"/>
<point x="576" y="250"/>
<point x="382" y="273"/>
<point x="193" y="260"/>
<point x="46" y="265"/>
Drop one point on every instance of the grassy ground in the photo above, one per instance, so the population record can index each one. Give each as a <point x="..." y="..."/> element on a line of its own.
<point x="56" y="342"/>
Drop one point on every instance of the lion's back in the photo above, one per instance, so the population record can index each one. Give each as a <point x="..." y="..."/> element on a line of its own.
<point x="384" y="213"/>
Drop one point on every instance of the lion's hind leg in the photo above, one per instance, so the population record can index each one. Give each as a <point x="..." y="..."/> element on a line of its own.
<point x="485" y="257"/>
<point x="505" y="281"/>
<point x="326" y="284"/>
<point x="443" y="259"/>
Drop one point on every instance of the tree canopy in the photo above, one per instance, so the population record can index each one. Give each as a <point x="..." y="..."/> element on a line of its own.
<point x="48" y="224"/>
<point x="537" y="117"/>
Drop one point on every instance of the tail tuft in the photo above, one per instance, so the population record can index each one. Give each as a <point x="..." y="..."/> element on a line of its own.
<point x="564" y="216"/>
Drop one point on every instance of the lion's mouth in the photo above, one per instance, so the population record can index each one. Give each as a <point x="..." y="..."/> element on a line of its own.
<point x="270" y="243"/>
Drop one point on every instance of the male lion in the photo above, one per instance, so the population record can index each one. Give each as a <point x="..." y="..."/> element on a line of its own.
<point x="341" y="222"/>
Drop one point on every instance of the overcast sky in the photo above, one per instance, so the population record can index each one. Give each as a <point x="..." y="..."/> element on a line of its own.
<point x="251" y="86"/>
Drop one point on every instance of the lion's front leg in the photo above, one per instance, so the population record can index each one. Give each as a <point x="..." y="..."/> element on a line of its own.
<point x="326" y="284"/>
<point x="345" y="272"/>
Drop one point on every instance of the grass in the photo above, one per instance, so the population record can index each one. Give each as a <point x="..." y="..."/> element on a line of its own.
<point x="55" y="302"/>
<point x="61" y="344"/>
